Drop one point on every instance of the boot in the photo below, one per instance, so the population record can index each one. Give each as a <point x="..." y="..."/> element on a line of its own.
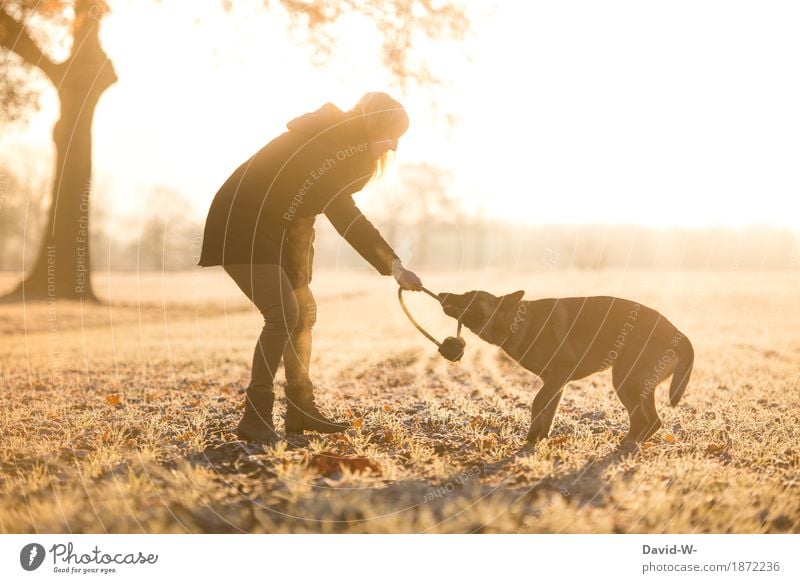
<point x="302" y="413"/>
<point x="256" y="423"/>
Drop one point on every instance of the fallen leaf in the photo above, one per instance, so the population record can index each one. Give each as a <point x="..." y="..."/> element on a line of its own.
<point x="669" y="438"/>
<point x="357" y="423"/>
<point x="113" y="400"/>
<point x="382" y="436"/>
<point x="715" y="447"/>
<point x="387" y="408"/>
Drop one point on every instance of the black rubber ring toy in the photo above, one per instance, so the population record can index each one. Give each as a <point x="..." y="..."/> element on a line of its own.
<point x="452" y="348"/>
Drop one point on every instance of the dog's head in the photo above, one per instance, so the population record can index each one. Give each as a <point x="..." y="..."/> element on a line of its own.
<point x="479" y="310"/>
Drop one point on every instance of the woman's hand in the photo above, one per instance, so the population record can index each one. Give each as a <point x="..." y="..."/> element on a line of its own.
<point x="407" y="280"/>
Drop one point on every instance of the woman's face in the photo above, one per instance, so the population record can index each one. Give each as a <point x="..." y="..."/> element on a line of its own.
<point x="387" y="134"/>
<point x="379" y="146"/>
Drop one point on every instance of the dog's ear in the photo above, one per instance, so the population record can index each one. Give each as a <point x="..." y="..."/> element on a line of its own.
<point x="513" y="298"/>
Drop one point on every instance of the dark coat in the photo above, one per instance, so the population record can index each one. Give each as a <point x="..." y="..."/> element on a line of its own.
<point x="314" y="167"/>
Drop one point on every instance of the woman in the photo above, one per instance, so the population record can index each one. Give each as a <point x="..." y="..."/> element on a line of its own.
<point x="260" y="228"/>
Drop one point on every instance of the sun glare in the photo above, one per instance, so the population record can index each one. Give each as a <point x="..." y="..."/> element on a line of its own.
<point x="559" y="117"/>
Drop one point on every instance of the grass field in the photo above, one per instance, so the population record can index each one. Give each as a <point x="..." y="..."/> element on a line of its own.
<point x="117" y="417"/>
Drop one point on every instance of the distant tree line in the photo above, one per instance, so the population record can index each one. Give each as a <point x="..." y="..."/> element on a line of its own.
<point x="476" y="244"/>
<point x="419" y="218"/>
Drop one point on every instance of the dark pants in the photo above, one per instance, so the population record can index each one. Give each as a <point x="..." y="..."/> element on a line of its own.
<point x="283" y="296"/>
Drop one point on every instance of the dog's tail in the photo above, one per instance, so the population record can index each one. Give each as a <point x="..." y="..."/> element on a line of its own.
<point x="683" y="370"/>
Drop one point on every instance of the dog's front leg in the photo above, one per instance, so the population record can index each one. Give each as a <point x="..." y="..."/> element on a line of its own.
<point x="544" y="409"/>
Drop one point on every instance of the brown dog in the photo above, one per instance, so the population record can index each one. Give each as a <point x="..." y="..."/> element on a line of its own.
<point x="565" y="339"/>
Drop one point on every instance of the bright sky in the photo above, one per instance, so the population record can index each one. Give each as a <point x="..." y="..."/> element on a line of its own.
<point x="657" y="113"/>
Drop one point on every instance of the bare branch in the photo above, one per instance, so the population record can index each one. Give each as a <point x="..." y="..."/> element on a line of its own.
<point x="15" y="37"/>
<point x="400" y="22"/>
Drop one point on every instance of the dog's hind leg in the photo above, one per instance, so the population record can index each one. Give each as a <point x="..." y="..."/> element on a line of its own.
<point x="543" y="409"/>
<point x="644" y="419"/>
<point x="630" y="395"/>
<point x="653" y="421"/>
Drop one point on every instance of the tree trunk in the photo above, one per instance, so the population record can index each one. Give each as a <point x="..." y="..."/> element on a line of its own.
<point x="62" y="268"/>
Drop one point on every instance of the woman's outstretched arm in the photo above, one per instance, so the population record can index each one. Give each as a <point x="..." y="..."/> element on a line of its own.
<point x="362" y="235"/>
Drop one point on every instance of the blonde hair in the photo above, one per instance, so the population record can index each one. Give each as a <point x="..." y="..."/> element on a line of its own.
<point x="384" y="117"/>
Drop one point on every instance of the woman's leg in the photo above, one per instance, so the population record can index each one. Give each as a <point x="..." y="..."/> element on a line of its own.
<point x="297" y="354"/>
<point x="268" y="287"/>
<point x="298" y="258"/>
<point x="301" y="410"/>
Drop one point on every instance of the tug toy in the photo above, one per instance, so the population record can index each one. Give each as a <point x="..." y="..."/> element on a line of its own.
<point x="452" y="348"/>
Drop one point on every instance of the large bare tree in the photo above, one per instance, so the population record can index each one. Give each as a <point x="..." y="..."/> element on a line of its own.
<point x="62" y="268"/>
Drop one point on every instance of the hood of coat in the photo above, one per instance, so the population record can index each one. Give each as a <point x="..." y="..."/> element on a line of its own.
<point x="331" y="124"/>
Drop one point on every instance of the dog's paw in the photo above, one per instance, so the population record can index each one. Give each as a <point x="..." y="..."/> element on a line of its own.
<point x="535" y="436"/>
<point x="629" y="446"/>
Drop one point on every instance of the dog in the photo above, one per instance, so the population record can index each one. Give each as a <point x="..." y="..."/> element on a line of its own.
<point x="566" y="339"/>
